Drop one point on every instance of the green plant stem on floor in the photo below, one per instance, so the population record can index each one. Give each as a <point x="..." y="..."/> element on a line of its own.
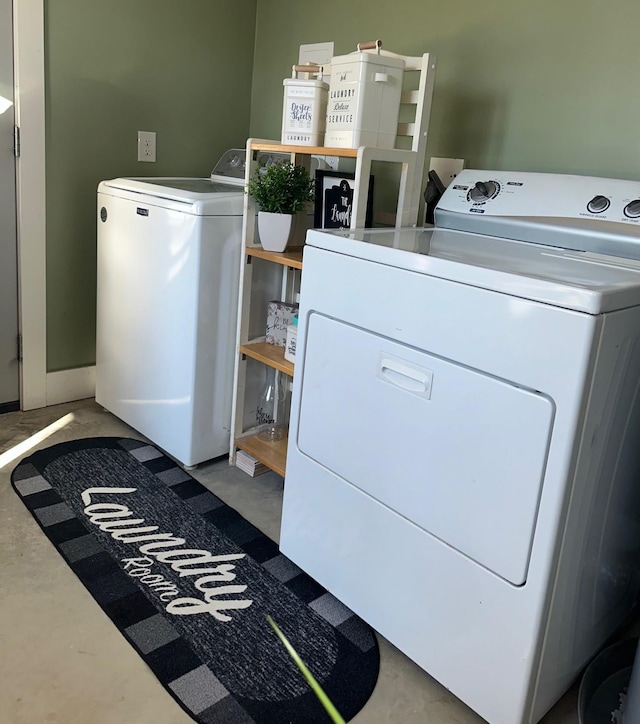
<point x="317" y="689"/>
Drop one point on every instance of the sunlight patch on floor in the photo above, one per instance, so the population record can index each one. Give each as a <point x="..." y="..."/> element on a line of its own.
<point x="23" y="447"/>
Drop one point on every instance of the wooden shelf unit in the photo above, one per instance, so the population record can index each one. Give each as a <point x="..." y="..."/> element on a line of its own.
<point x="276" y="147"/>
<point x="291" y="258"/>
<point x="273" y="455"/>
<point x="269" y="354"/>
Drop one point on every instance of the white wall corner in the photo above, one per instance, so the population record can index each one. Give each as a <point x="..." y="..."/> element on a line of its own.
<point x="28" y="34"/>
<point x="70" y="385"/>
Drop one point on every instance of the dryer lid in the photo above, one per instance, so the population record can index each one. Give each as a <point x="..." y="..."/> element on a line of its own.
<point x="582" y="281"/>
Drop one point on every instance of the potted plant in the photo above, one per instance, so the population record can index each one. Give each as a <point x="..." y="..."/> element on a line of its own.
<point x="281" y="191"/>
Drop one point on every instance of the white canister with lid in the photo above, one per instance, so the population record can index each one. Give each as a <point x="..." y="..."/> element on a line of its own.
<point x="364" y="98"/>
<point x="291" y="341"/>
<point x="304" y="110"/>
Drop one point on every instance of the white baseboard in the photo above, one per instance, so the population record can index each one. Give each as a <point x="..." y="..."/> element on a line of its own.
<point x="70" y="385"/>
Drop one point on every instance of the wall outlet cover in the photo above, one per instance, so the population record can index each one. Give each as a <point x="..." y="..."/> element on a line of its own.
<point x="147" y="146"/>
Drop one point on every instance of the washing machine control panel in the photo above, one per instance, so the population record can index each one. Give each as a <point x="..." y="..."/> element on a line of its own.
<point x="541" y="195"/>
<point x="231" y="167"/>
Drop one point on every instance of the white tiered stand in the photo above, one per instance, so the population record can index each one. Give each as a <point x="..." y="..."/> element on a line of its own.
<point x="243" y="432"/>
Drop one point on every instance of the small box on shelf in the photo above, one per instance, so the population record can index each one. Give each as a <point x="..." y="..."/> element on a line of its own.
<point x="279" y="316"/>
<point x="250" y="465"/>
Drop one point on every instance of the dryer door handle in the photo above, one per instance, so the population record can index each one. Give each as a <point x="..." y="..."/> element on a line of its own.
<point x="406" y="375"/>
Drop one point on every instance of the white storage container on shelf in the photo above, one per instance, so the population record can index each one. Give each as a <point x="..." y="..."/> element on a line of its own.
<point x="291" y="341"/>
<point x="304" y="109"/>
<point x="364" y="98"/>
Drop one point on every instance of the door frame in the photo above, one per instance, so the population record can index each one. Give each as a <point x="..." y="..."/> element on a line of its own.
<point x="28" y="53"/>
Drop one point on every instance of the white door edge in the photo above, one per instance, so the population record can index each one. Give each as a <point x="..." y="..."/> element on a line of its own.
<point x="69" y="385"/>
<point x="28" y="33"/>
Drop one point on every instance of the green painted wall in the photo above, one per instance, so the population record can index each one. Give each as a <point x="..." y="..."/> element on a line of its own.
<point x="181" y="68"/>
<point x="545" y="86"/>
<point x="538" y="86"/>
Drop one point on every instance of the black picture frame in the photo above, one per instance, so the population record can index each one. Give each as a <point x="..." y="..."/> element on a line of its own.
<point x="334" y="200"/>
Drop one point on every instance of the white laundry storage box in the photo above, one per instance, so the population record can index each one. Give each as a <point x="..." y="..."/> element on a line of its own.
<point x="304" y="109"/>
<point x="364" y="100"/>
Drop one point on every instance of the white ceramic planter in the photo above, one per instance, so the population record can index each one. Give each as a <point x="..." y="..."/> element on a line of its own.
<point x="274" y="230"/>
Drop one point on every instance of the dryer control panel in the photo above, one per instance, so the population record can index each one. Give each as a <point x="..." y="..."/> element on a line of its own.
<point x="510" y="193"/>
<point x="581" y="213"/>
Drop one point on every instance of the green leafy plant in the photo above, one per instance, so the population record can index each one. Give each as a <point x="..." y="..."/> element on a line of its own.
<point x="282" y="188"/>
<point x="317" y="689"/>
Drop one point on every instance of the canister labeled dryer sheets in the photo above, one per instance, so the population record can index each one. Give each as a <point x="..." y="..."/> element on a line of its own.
<point x="364" y="100"/>
<point x="304" y="110"/>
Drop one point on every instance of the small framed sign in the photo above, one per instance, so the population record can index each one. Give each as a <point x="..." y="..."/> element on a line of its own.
<point x="334" y="200"/>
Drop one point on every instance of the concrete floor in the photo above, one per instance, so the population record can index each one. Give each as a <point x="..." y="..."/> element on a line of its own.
<point x="63" y="661"/>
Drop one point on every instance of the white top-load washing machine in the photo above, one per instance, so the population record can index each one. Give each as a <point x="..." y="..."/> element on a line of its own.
<point x="167" y="295"/>
<point x="463" y="464"/>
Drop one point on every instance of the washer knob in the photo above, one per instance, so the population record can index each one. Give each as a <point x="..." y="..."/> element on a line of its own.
<point x="632" y="209"/>
<point x="483" y="191"/>
<point x="598" y="204"/>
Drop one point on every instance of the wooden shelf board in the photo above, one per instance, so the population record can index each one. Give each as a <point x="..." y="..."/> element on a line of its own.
<point x="268" y="354"/>
<point x="276" y="147"/>
<point x="272" y="454"/>
<point x="292" y="258"/>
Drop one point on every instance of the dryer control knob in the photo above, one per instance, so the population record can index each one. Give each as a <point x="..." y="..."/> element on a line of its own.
<point x="483" y="191"/>
<point x="598" y="204"/>
<point x="632" y="209"/>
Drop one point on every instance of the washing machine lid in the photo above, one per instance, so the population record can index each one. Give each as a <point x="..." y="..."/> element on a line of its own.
<point x="197" y="196"/>
<point x="582" y="281"/>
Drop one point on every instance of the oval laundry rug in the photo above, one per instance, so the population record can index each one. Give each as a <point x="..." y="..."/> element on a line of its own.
<point x="189" y="583"/>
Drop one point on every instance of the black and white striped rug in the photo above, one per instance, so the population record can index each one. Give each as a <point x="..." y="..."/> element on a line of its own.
<point x="189" y="583"/>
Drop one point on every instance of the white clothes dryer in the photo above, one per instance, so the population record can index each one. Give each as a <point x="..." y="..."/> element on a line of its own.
<point x="463" y="464"/>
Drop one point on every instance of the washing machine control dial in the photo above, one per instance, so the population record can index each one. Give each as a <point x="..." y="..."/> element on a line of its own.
<point x="632" y="209"/>
<point x="598" y="204"/>
<point x="484" y="191"/>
